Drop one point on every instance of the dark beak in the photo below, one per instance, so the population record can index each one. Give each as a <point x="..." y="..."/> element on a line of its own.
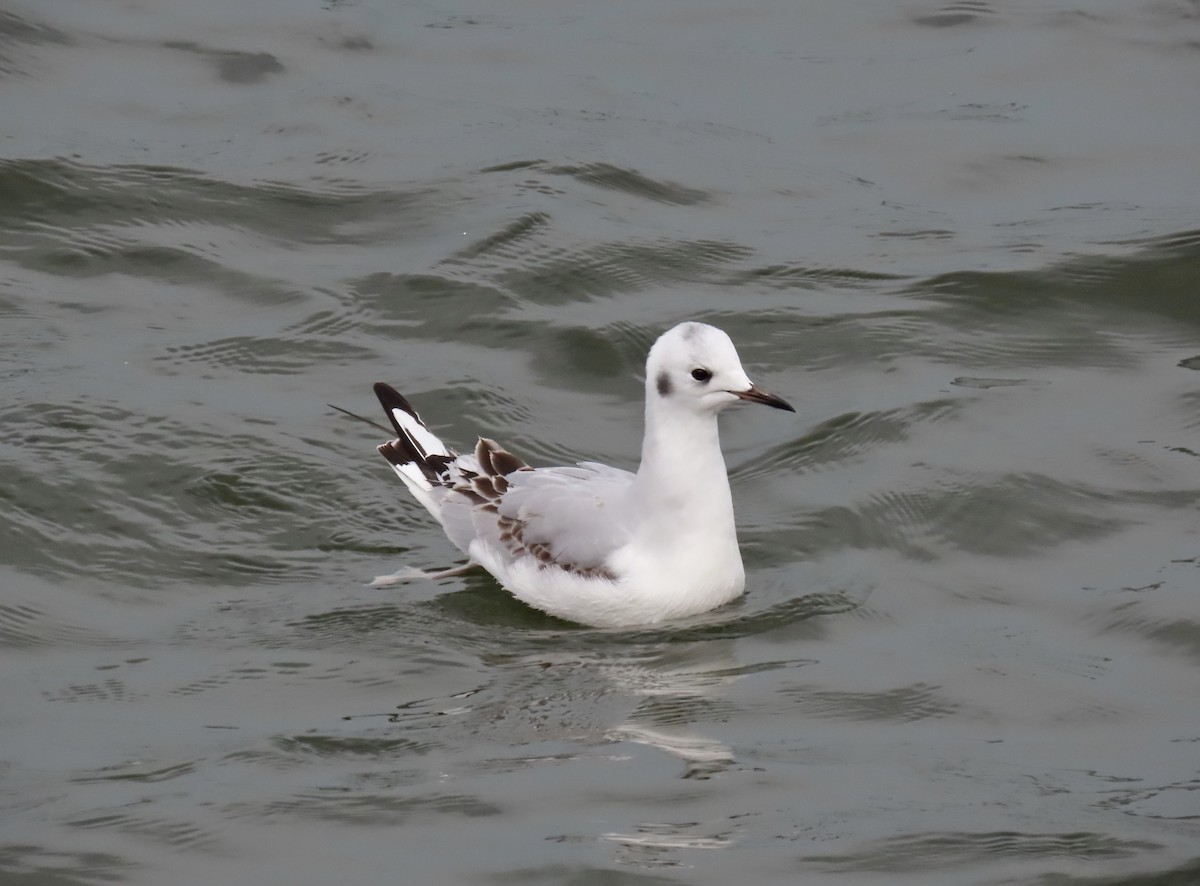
<point x="757" y="395"/>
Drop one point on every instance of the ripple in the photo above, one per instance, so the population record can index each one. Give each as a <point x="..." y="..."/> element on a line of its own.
<point x="964" y="12"/>
<point x="513" y="165"/>
<point x="362" y="622"/>
<point x="16" y="30"/>
<point x="1181" y="635"/>
<point x="375" y="810"/>
<point x="350" y="746"/>
<point x="553" y="274"/>
<point x="59" y="200"/>
<point x="1085" y="301"/>
<point x="630" y="181"/>
<point x="23" y="626"/>
<point x="430" y="305"/>
<point x="343" y="158"/>
<point x="905" y="704"/>
<point x="786" y="276"/>
<point x="123" y="773"/>
<point x="206" y="684"/>
<point x="1008" y="515"/>
<point x="170" y="832"/>
<point x="233" y="65"/>
<point x="954" y="849"/>
<point x="291" y="355"/>
<point x="1172" y="802"/>
<point x="107" y="690"/>
<point x="650" y="844"/>
<point x="140" y="507"/>
<point x="505" y="242"/>
<point x="983" y="384"/>
<point x="1189" y="409"/>
<point x="37" y="864"/>
<point x="19" y="29"/>
<point x="834" y="441"/>
<point x="729" y="622"/>
<point x="556" y="874"/>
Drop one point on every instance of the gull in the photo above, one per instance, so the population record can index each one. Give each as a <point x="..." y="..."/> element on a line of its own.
<point x="590" y="543"/>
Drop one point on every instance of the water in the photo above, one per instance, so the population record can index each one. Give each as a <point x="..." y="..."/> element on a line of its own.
<point x="962" y="240"/>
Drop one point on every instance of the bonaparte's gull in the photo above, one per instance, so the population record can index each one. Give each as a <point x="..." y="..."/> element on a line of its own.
<point x="591" y="543"/>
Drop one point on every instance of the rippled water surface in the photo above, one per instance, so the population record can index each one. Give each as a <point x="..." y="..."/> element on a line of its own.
<point x="964" y="240"/>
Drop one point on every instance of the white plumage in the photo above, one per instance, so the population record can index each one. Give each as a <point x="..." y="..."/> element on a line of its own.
<point x="592" y="543"/>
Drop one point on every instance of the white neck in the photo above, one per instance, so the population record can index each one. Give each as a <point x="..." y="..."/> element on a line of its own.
<point x="682" y="469"/>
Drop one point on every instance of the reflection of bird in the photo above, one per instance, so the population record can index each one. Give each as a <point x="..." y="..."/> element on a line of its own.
<point x="591" y="543"/>
<point x="704" y="756"/>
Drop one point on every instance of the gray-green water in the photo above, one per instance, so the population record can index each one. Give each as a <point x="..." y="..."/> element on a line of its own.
<point x="963" y="240"/>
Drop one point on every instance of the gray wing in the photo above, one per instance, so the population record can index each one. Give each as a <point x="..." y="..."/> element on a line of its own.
<point x="577" y="515"/>
<point x="570" y="517"/>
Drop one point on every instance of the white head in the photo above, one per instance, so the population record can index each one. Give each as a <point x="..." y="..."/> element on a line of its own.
<point x="695" y="367"/>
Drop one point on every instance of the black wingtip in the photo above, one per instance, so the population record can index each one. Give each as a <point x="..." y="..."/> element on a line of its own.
<point x="389" y="399"/>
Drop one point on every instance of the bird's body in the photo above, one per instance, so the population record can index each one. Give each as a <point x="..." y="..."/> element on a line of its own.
<point x="591" y="543"/>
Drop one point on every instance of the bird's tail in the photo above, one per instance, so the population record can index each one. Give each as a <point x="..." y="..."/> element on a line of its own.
<point x="417" y="456"/>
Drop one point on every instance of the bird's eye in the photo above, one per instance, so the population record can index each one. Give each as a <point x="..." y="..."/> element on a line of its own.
<point x="701" y="374"/>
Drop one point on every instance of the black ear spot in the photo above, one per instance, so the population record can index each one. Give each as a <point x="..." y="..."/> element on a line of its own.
<point x="663" y="383"/>
<point x="701" y="375"/>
